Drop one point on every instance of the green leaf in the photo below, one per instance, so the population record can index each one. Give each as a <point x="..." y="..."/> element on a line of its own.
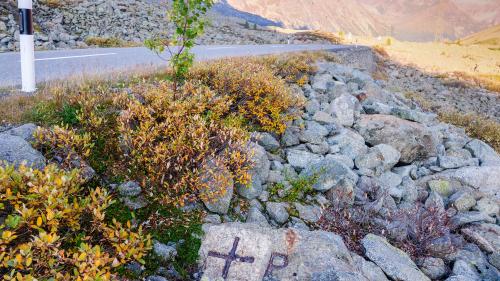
<point x="13" y="221"/>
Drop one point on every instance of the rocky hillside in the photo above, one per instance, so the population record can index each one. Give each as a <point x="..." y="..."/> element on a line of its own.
<point x="363" y="185"/>
<point x="405" y="19"/>
<point x="127" y="22"/>
<point x="345" y="15"/>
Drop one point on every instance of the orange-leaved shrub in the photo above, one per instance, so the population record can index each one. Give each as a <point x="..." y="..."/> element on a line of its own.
<point x="297" y="67"/>
<point x="55" y="229"/>
<point x="251" y="89"/>
<point x="166" y="139"/>
<point x="64" y="143"/>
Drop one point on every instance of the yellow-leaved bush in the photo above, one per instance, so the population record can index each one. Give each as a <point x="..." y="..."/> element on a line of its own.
<point x="251" y="89"/>
<point x="167" y="138"/>
<point x="56" y="229"/>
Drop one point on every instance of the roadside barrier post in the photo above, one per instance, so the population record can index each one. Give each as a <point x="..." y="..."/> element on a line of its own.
<point x="27" y="45"/>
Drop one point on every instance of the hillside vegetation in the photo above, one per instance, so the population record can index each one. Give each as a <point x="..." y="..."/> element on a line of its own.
<point x="490" y="36"/>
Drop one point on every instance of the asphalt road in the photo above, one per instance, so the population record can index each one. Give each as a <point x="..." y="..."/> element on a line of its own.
<point x="61" y="64"/>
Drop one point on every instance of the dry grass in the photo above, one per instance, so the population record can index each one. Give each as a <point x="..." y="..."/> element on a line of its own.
<point x="475" y="126"/>
<point x="381" y="51"/>
<point x="490" y="82"/>
<point x="58" y="3"/>
<point x="108" y="42"/>
<point x="476" y="64"/>
<point x="332" y="38"/>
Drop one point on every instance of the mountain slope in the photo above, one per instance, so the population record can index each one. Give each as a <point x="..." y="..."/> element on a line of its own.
<point x="416" y="20"/>
<point x="332" y="15"/>
<point x="425" y="20"/>
<point x="490" y="36"/>
<point x="487" y="11"/>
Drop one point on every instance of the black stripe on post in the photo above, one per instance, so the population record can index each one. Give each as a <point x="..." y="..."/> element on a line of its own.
<point x="25" y="22"/>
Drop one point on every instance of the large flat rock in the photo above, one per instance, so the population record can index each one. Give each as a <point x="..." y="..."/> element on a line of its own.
<point x="247" y="252"/>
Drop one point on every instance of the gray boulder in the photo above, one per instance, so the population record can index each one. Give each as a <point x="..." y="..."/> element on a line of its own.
<point x="267" y="141"/>
<point x="451" y="162"/>
<point x="308" y="213"/>
<point x="15" y="150"/>
<point x="256" y="217"/>
<point x="322" y="82"/>
<point x="328" y="173"/>
<point x="462" y="200"/>
<point x="251" y="190"/>
<point x="277" y="211"/>
<point x="394" y="262"/>
<point x="434" y="268"/>
<point x="381" y="156"/>
<point x="300" y="159"/>
<point x="413" y="140"/>
<point x="260" y="163"/>
<point x="314" y="133"/>
<point x="323" y="118"/>
<point x="25" y="131"/>
<point x="349" y="142"/>
<point x="464" y="218"/>
<point x="462" y="271"/>
<point x="485" y="235"/>
<point x="129" y="189"/>
<point x="486" y="154"/>
<point x="413" y="115"/>
<point x="166" y="252"/>
<point x="369" y="269"/>
<point x="345" y="108"/>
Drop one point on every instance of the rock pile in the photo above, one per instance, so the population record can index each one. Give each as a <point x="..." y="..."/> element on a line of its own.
<point x="442" y="94"/>
<point x="352" y="132"/>
<point x="128" y="20"/>
<point x="353" y="136"/>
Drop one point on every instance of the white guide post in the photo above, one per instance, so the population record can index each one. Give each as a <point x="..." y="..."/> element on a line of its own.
<point x="27" y="45"/>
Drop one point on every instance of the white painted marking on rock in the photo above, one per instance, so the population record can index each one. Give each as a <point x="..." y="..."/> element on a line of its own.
<point x="76" y="57"/>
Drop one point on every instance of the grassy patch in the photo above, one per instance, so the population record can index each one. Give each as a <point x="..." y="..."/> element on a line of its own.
<point x="475" y="126"/>
<point x="109" y="42"/>
<point x="298" y="189"/>
<point x="165" y="224"/>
